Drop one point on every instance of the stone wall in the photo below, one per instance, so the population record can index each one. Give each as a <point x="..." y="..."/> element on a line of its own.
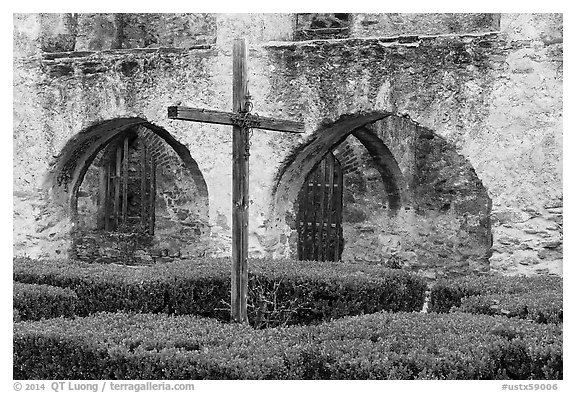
<point x="474" y="92"/>
<point x="53" y="33"/>
<point x="518" y="149"/>
<point x="338" y="25"/>
<point x="495" y="99"/>
<point x="416" y="24"/>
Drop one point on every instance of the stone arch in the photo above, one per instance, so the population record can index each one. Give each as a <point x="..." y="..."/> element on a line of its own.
<point x="296" y="166"/>
<point x="89" y="147"/>
<point x="438" y="217"/>
<point x="386" y="164"/>
<point x="328" y="139"/>
<point x="67" y="173"/>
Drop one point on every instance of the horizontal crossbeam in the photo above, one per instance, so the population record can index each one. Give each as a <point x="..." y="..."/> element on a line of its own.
<point x="229" y="118"/>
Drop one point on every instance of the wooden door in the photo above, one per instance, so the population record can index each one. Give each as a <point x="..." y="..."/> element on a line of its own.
<point x="320" y="212"/>
<point x="130" y="190"/>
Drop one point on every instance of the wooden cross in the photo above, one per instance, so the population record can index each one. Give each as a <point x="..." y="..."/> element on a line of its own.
<point x="241" y="121"/>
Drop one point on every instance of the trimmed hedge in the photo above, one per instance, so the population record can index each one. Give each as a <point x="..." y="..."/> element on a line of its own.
<point x="281" y="292"/>
<point x="37" y="301"/>
<point x="522" y="296"/>
<point x="540" y="306"/>
<point x="378" y="346"/>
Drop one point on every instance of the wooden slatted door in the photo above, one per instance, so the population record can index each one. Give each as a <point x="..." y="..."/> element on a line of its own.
<point x="130" y="189"/>
<point x="320" y="212"/>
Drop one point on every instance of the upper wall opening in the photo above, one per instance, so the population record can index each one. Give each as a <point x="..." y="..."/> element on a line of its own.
<point x="325" y="25"/>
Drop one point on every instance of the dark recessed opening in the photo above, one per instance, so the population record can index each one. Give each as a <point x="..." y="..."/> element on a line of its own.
<point x="322" y="26"/>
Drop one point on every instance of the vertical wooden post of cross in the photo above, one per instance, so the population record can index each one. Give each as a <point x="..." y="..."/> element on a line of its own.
<point x="241" y="121"/>
<point x="240" y="180"/>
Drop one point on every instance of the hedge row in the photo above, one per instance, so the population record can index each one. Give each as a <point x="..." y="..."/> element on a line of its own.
<point x="377" y="346"/>
<point x="522" y="296"/>
<point x="539" y="306"/>
<point x="281" y="292"/>
<point x="37" y="301"/>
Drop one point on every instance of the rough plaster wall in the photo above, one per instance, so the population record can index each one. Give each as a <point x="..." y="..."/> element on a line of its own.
<point x="78" y="91"/>
<point x="422" y="24"/>
<point x="33" y="139"/>
<point x="37" y="33"/>
<point x="452" y="87"/>
<point x="55" y="99"/>
<point x="497" y="99"/>
<point x="518" y="153"/>
<point x="454" y="99"/>
<point x="167" y="30"/>
<point x="53" y="33"/>
<point x="256" y="28"/>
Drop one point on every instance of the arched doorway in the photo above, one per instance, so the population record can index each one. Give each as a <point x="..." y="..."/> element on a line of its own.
<point x="408" y="195"/>
<point x="311" y="163"/>
<point x="134" y="193"/>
